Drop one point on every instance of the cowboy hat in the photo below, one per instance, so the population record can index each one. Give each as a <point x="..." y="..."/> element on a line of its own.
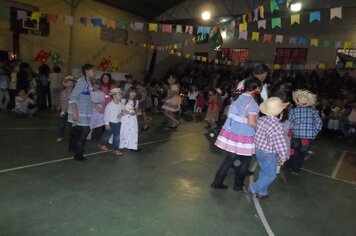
<point x="304" y="98"/>
<point x="273" y="106"/>
<point x="115" y="91"/>
<point x="68" y="78"/>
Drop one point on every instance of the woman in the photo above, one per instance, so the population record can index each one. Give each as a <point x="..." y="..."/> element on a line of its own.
<point x="44" y="99"/>
<point x="80" y="112"/>
<point x="171" y="103"/>
<point x="142" y="105"/>
<point x="107" y="83"/>
<point x="237" y="136"/>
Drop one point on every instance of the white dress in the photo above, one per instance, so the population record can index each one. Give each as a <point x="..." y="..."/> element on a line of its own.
<point x="129" y="127"/>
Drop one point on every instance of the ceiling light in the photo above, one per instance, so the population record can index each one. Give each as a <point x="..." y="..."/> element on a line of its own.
<point x="296" y="6"/>
<point x="206" y="15"/>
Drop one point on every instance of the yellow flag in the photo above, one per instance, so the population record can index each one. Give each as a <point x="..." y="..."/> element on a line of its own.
<point x="244" y="19"/>
<point x="262" y="11"/>
<point x="349" y="64"/>
<point x="255" y="36"/>
<point x="276" y="66"/>
<point x="110" y="23"/>
<point x="242" y="27"/>
<point x="152" y="27"/>
<point x="204" y="59"/>
<point x="314" y="42"/>
<point x="322" y="66"/>
<point x="347" y="44"/>
<point x="295" y="19"/>
<point x="36" y="16"/>
<point x="187" y="56"/>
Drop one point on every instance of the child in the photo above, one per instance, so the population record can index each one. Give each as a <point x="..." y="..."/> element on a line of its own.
<point x="98" y="102"/>
<point x="22" y="103"/>
<point x="212" y="114"/>
<point x="112" y="117"/>
<point x="200" y="104"/>
<point x="129" y="130"/>
<point x="68" y="84"/>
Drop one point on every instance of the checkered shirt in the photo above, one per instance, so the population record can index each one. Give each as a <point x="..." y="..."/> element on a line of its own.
<point x="270" y="138"/>
<point x="306" y="122"/>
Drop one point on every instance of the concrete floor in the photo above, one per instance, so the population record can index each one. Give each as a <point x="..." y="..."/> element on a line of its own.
<point x="164" y="190"/>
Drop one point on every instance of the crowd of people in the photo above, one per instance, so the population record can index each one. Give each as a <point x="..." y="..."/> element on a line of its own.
<point x="274" y="115"/>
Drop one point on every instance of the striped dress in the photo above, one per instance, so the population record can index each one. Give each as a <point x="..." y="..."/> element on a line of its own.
<point x="81" y="96"/>
<point x="237" y="136"/>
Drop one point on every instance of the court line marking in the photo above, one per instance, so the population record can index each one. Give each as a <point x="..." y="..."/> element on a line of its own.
<point x="258" y="207"/>
<point x="338" y="165"/>
<point x="91" y="154"/>
<point x="329" y="177"/>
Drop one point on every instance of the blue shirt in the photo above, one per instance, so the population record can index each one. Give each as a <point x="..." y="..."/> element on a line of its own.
<point x="306" y="122"/>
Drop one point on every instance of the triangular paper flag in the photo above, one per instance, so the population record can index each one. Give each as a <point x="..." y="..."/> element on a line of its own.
<point x="322" y="66"/>
<point x="204" y="59"/>
<point x="68" y="20"/>
<point x="261" y="24"/>
<point x="314" y="16"/>
<point x="249" y="17"/>
<point x="261" y="9"/>
<point x="255" y="36"/>
<point x="244" y="19"/>
<point x="276" y="66"/>
<point x="326" y="43"/>
<point x="152" y="27"/>
<point x="111" y="24"/>
<point x="292" y="40"/>
<point x="276" y="22"/>
<point x="51" y="18"/>
<point x="255" y="14"/>
<point x="273" y="6"/>
<point x="295" y="19"/>
<point x="279" y="39"/>
<point x="335" y="12"/>
<point x="242" y="27"/>
<point x="302" y="41"/>
<point x="349" y="64"/>
<point x="36" y="16"/>
<point x="338" y="44"/>
<point x="179" y="29"/>
<point x="166" y="28"/>
<point x="314" y="42"/>
<point x="83" y="21"/>
<point x="96" y="22"/>
<point x="347" y="44"/>
<point x="267" y="38"/>
<point x="243" y="35"/>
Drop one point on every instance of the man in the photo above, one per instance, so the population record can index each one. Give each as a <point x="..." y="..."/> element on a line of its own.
<point x="4" y="87"/>
<point x="80" y="111"/>
<point x="260" y="71"/>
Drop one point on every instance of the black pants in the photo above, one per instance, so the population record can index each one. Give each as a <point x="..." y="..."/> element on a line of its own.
<point x="295" y="162"/>
<point x="62" y="125"/>
<point x="77" y="139"/>
<point x="240" y="171"/>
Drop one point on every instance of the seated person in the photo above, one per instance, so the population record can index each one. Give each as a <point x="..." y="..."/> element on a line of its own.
<point x="24" y="105"/>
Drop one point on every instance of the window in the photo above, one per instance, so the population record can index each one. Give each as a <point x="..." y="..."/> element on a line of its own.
<point x="291" y="56"/>
<point x="233" y="54"/>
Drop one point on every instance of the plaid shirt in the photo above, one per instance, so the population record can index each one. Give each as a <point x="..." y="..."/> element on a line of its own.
<point x="306" y="121"/>
<point x="270" y="138"/>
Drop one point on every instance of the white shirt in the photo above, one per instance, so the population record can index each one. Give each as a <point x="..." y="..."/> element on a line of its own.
<point x="193" y="95"/>
<point x="263" y="93"/>
<point x="112" y="112"/>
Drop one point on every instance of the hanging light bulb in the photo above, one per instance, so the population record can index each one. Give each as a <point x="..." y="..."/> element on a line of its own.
<point x="206" y="15"/>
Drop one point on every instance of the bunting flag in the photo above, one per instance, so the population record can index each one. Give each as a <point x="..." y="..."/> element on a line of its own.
<point x="302" y="41"/>
<point x="336" y="12"/>
<point x="68" y="20"/>
<point x="166" y="28"/>
<point x="242" y="27"/>
<point x="314" y="42"/>
<point x="267" y="38"/>
<point x="326" y="43"/>
<point x="347" y="44"/>
<point x="152" y="27"/>
<point x="255" y="36"/>
<point x="314" y="16"/>
<point x="273" y="6"/>
<point x="110" y="24"/>
<point x="276" y="22"/>
<point x="42" y="56"/>
<point x="279" y="39"/>
<point x="122" y="24"/>
<point x="243" y="35"/>
<point x="189" y="29"/>
<point x="96" y="22"/>
<point x="255" y="14"/>
<point x="114" y="64"/>
<point x="261" y="24"/>
<point x="349" y="64"/>
<point x="21" y="15"/>
<point x="292" y="40"/>
<point x="56" y="59"/>
<point x="276" y="66"/>
<point x="338" y="44"/>
<point x="244" y="19"/>
<point x="36" y="16"/>
<point x="51" y="18"/>
<point x="137" y="26"/>
<point x="295" y="19"/>
<point x="262" y="11"/>
<point x="249" y="17"/>
<point x="83" y="21"/>
<point x="179" y="29"/>
<point x="321" y="66"/>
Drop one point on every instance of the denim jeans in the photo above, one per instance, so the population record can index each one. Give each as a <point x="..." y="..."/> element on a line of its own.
<point x="77" y="139"/>
<point x="115" y="132"/>
<point x="4" y="98"/>
<point x="295" y="162"/>
<point x="62" y="125"/>
<point x="267" y="163"/>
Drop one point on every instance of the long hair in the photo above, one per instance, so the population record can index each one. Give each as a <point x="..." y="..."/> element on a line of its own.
<point x="108" y="75"/>
<point x="127" y="96"/>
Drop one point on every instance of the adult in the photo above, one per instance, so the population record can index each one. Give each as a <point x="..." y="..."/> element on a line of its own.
<point x="4" y="87"/>
<point x="80" y="112"/>
<point x="142" y="104"/>
<point x="44" y="99"/>
<point x="237" y="136"/>
<point x="171" y="102"/>
<point x="107" y="83"/>
<point x="306" y="125"/>
<point x="271" y="145"/>
<point x="260" y="71"/>
<point x="56" y="80"/>
<point x="23" y="77"/>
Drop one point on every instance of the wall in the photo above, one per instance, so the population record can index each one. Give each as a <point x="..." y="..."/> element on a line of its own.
<point x="86" y="40"/>
<point x="344" y="30"/>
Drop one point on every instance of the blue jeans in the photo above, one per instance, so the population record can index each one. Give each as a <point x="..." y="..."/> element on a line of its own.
<point x="267" y="163"/>
<point x="115" y="132"/>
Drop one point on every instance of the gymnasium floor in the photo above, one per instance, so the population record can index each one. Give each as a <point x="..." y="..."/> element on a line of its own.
<point x="163" y="190"/>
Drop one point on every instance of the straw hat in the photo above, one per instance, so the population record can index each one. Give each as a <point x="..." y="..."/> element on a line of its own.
<point x="218" y="90"/>
<point x="68" y="78"/>
<point x="304" y="98"/>
<point x="273" y="106"/>
<point x="115" y="91"/>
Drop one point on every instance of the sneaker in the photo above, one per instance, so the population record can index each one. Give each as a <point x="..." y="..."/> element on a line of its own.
<point x="118" y="153"/>
<point x="103" y="148"/>
<point x="59" y="140"/>
<point x="219" y="186"/>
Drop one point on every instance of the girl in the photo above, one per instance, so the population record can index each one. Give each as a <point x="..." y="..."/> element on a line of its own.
<point x="212" y="114"/>
<point x="237" y="136"/>
<point x="192" y="96"/>
<point x="113" y="114"/>
<point x="98" y="103"/>
<point x="107" y="83"/>
<point x="171" y="103"/>
<point x="129" y="130"/>
<point x="199" y="105"/>
<point x="142" y="102"/>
